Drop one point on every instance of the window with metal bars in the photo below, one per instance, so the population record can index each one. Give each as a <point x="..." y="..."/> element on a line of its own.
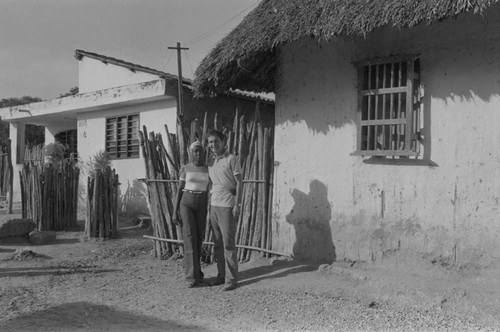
<point x="69" y="139"/>
<point x="389" y="107"/>
<point x="122" y="138"/>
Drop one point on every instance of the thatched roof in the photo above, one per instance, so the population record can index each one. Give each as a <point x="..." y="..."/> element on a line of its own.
<point x="246" y="58"/>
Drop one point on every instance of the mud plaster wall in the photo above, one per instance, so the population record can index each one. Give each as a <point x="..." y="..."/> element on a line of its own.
<point x="330" y="205"/>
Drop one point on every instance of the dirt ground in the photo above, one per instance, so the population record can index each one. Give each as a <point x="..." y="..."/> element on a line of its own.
<point x="115" y="285"/>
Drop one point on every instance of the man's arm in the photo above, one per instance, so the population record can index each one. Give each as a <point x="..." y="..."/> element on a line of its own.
<point x="239" y="187"/>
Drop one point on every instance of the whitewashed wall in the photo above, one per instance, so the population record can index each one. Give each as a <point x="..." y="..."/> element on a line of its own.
<point x="91" y="139"/>
<point x="96" y="75"/>
<point x="330" y="205"/>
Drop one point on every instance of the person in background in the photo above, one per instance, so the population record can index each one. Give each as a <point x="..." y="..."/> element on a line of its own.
<point x="192" y="201"/>
<point x="225" y="175"/>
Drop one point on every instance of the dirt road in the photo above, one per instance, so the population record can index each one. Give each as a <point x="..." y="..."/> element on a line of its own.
<point x="76" y="285"/>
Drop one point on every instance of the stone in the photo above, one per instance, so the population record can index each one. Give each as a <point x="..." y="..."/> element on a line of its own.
<point x="23" y="254"/>
<point x="323" y="267"/>
<point x="16" y="227"/>
<point x="143" y="221"/>
<point x="42" y="237"/>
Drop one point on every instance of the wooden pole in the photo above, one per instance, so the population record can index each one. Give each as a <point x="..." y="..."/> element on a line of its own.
<point x="11" y="175"/>
<point x="24" y="203"/>
<point x="172" y="151"/>
<point x="180" y="242"/>
<point x="115" y="203"/>
<point x="241" y="141"/>
<point x="180" y="110"/>
<point x="236" y="130"/>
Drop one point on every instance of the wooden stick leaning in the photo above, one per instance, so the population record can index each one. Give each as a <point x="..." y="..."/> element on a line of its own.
<point x="248" y="195"/>
<point x="179" y="242"/>
<point x="152" y="194"/>
<point x="163" y="196"/>
<point x="259" y="220"/>
<point x="270" y="200"/>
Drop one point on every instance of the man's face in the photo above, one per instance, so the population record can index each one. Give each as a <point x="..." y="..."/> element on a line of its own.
<point x="215" y="144"/>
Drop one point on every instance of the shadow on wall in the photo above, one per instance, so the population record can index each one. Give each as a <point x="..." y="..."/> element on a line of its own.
<point x="310" y="216"/>
<point x="134" y="200"/>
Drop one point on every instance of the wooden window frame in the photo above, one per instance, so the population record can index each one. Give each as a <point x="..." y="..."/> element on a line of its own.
<point x="385" y="90"/>
<point x="131" y="141"/>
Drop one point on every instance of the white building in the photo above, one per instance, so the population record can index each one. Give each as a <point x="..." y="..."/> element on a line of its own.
<point x="116" y="99"/>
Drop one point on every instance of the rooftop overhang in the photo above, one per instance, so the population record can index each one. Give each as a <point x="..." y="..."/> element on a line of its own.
<point x="66" y="110"/>
<point x="247" y="58"/>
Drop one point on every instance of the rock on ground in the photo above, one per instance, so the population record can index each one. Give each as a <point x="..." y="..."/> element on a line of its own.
<point x="42" y="237"/>
<point x="16" y="227"/>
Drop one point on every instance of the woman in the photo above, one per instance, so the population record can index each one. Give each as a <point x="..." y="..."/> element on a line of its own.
<point x="192" y="200"/>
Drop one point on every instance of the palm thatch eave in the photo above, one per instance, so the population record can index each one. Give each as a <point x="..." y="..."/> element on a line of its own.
<point x="246" y="58"/>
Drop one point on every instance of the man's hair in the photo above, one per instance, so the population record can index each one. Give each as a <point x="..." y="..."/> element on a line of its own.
<point x="216" y="133"/>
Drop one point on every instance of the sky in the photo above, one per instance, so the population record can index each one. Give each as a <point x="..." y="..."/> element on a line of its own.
<point x="38" y="37"/>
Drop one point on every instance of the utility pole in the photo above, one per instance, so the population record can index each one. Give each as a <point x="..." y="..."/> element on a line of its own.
<point x="180" y="102"/>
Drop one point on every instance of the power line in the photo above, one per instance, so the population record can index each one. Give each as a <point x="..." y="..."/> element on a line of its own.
<point x="169" y="57"/>
<point x="189" y="62"/>
<point x="217" y="28"/>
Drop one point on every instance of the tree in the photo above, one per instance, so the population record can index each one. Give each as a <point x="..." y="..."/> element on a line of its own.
<point x="34" y="134"/>
<point x="9" y="102"/>
<point x="73" y="91"/>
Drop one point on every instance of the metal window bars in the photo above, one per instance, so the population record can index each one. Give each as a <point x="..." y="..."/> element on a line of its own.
<point x="389" y="107"/>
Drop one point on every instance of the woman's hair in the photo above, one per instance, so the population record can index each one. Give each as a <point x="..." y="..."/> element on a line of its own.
<point x="195" y="144"/>
<point x="216" y="133"/>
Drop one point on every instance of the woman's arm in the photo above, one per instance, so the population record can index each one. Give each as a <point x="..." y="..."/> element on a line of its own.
<point x="178" y="196"/>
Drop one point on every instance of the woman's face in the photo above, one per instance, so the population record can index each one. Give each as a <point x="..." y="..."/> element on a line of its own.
<point x="198" y="155"/>
<point x="215" y="144"/>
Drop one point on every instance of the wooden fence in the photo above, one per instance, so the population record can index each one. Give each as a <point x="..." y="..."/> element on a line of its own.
<point x="50" y="194"/>
<point x="252" y="143"/>
<point x="34" y="154"/>
<point x="102" y="204"/>
<point x="6" y="174"/>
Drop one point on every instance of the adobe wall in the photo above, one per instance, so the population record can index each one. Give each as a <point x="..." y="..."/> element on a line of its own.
<point x="331" y="205"/>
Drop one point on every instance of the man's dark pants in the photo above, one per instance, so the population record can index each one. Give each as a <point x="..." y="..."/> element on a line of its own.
<point x="224" y="226"/>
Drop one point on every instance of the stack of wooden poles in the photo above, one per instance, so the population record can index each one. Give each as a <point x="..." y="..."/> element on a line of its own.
<point x="50" y="194"/>
<point x="162" y="175"/>
<point x="102" y="204"/>
<point x="6" y="174"/>
<point x="252" y="143"/>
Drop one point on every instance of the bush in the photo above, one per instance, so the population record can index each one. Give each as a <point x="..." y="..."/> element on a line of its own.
<point x="53" y="153"/>
<point x="99" y="161"/>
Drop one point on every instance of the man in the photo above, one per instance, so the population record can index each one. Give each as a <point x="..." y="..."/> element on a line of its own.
<point x="225" y="174"/>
